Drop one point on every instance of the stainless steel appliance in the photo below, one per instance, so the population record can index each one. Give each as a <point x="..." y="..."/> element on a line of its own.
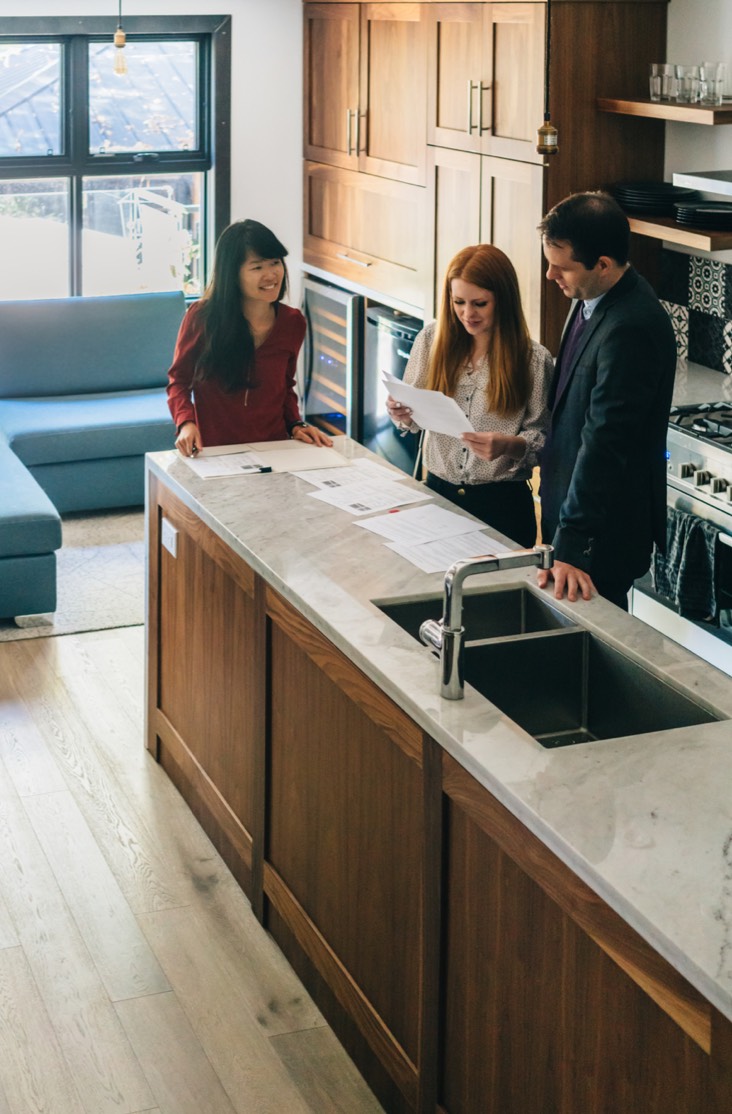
<point x="332" y="357"/>
<point x="699" y="455"/>
<point x="388" y="343"/>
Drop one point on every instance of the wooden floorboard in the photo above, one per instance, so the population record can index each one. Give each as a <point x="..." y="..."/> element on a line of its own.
<point x="134" y="978"/>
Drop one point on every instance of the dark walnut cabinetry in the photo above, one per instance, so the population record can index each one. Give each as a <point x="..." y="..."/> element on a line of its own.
<point x="397" y="92"/>
<point x="463" y="965"/>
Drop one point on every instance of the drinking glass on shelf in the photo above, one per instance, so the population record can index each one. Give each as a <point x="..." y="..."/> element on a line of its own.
<point x="687" y="83"/>
<point x="711" y="82"/>
<point x="661" y="80"/>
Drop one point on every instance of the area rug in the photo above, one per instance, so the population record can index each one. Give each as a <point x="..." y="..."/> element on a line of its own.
<point x="100" y="577"/>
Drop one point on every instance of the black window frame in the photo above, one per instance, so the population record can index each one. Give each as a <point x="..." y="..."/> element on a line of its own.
<point x="77" y="162"/>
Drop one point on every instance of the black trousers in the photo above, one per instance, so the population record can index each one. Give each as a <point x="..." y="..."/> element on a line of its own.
<point x="507" y="506"/>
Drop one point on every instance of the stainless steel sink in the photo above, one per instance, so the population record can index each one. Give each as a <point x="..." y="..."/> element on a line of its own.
<point x="487" y="613"/>
<point x="572" y="687"/>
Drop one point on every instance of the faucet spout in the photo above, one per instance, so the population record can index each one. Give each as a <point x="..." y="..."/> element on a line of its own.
<point x="447" y="635"/>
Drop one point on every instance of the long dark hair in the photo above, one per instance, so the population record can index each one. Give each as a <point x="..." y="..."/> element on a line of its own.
<point x="228" y="344"/>
<point x="509" y="351"/>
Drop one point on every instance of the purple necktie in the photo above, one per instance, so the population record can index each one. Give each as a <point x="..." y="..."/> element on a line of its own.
<point x="566" y="356"/>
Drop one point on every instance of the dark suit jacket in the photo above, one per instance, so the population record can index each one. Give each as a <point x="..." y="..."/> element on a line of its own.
<point x="603" y="468"/>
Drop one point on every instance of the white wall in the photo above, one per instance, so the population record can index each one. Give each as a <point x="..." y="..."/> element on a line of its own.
<point x="266" y="94"/>
<point x="700" y="30"/>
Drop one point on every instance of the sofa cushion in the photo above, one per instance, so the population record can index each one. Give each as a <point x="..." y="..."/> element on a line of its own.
<point x="29" y="522"/>
<point x="87" y="427"/>
<point x="60" y="346"/>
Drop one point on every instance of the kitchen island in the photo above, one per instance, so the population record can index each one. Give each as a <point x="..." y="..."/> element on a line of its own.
<point x="487" y="924"/>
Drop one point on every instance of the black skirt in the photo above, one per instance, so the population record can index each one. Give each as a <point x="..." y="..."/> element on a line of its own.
<point x="507" y="506"/>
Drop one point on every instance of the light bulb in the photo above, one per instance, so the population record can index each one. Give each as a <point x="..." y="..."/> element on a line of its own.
<point x="120" y="62"/>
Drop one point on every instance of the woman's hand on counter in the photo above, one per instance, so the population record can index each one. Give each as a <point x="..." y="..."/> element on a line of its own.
<point x="311" y="435"/>
<point x="188" y="441"/>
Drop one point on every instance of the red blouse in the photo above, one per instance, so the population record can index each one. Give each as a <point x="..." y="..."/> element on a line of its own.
<point x="263" y="412"/>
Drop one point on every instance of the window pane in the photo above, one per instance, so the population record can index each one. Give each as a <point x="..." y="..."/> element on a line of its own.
<point x="142" y="234"/>
<point x="30" y="99"/>
<point x="150" y="108"/>
<point x="34" y="238"/>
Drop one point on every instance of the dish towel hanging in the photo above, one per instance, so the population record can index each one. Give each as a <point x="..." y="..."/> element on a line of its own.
<point x="687" y="573"/>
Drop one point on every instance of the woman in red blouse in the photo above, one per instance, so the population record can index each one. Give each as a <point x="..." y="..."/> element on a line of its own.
<point x="232" y="379"/>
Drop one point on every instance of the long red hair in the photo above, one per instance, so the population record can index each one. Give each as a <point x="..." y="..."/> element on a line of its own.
<point x="509" y="350"/>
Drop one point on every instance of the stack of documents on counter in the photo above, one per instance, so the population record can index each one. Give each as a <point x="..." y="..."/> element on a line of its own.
<point x="363" y="487"/>
<point x="263" y="456"/>
<point x="433" y="538"/>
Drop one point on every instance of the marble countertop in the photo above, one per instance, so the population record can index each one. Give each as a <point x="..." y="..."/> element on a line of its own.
<point x="646" y="821"/>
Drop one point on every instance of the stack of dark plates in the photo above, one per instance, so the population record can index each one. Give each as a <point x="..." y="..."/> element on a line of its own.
<point x="653" y="198"/>
<point x="705" y="214"/>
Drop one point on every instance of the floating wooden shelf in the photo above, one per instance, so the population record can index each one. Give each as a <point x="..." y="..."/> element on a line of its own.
<point x="666" y="228"/>
<point x="668" y="110"/>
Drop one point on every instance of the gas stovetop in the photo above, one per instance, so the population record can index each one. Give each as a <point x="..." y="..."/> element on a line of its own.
<point x="707" y="421"/>
<point x="699" y="454"/>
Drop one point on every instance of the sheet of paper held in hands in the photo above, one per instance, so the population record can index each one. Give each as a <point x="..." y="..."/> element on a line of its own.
<point x="431" y="410"/>
<point x="431" y="537"/>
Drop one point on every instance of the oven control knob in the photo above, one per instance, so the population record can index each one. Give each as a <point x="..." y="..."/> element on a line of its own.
<point x="702" y="477"/>
<point x="687" y="471"/>
<point x="719" y="486"/>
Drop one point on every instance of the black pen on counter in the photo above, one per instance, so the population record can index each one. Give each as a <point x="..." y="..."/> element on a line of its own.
<point x="194" y="450"/>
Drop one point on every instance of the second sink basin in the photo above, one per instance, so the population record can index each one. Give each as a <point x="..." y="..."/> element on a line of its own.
<point x="487" y="613"/>
<point x="573" y="687"/>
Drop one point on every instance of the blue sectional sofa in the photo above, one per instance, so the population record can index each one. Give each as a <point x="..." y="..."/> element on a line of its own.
<point x="82" y="399"/>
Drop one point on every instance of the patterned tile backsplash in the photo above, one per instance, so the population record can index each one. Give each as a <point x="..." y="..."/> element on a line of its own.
<point x="697" y="294"/>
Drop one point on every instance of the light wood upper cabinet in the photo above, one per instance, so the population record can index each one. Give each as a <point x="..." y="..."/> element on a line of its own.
<point x="485" y="77"/>
<point x="331" y="71"/>
<point x="480" y="199"/>
<point x="365" y="88"/>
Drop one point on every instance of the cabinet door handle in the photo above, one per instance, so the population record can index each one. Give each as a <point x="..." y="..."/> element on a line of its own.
<point x="349" y="144"/>
<point x="350" y="259"/>
<point x="357" y="114"/>
<point x="471" y="86"/>
<point x="485" y="87"/>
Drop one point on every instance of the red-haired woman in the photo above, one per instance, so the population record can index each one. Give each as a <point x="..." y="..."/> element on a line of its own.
<point x="480" y="353"/>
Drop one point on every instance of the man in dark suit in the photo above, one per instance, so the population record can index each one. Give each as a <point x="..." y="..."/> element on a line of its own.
<point x="603" y="467"/>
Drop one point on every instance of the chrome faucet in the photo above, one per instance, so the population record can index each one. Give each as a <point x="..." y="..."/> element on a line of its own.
<point x="446" y="635"/>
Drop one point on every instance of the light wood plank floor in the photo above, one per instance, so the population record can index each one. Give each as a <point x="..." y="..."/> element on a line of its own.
<point x="133" y="975"/>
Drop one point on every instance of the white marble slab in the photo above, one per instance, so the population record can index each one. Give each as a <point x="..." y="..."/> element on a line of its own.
<point x="645" y="821"/>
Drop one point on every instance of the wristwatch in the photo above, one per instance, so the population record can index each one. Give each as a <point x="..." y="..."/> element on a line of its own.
<point x="301" y="423"/>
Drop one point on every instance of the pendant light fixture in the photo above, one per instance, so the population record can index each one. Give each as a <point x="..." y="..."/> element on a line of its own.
<point x="120" y="40"/>
<point x="547" y="137"/>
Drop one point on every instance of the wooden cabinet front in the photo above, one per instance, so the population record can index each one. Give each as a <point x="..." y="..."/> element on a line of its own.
<point x="365" y="76"/>
<point x="551" y="1002"/>
<point x="393" y="109"/>
<point x="367" y="229"/>
<point x="485" y="73"/>
<point x="345" y="836"/>
<point x="331" y="71"/>
<point x="478" y="199"/>
<point x="205" y="714"/>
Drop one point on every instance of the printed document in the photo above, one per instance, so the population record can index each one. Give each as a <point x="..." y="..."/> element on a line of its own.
<point x="369" y="496"/>
<point x="357" y="471"/>
<point x="438" y="556"/>
<point x="211" y="465"/>
<point x="430" y="409"/>
<point x="421" y="524"/>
